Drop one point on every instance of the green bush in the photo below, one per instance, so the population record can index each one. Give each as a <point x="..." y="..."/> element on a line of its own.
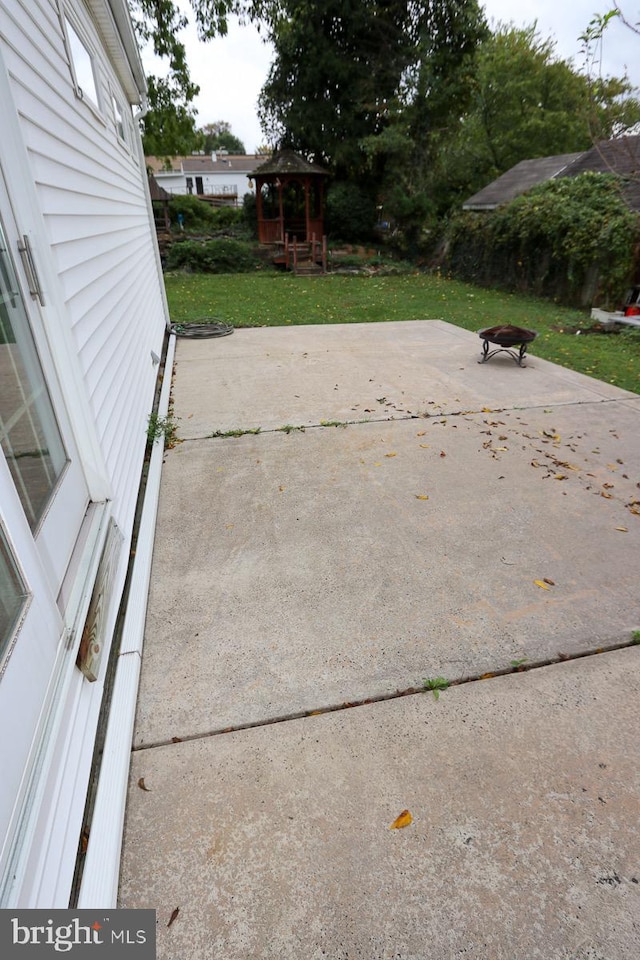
<point x="250" y="213"/>
<point x="198" y="215"/>
<point x="573" y="239"/>
<point x="212" y="256"/>
<point x="350" y="212"/>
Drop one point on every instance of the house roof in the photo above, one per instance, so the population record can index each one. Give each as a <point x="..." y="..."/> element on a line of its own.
<point x="287" y="162"/>
<point x="519" y="179"/>
<point x="223" y="163"/>
<point x="620" y="157"/>
<point x="114" y="21"/>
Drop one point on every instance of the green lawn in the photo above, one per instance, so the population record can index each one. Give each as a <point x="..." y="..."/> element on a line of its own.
<point x="272" y="299"/>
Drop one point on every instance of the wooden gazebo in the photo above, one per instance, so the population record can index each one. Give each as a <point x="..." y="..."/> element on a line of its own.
<point x="289" y="198"/>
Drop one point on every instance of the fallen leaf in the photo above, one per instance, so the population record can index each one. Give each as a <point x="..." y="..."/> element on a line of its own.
<point x="622" y="529"/>
<point x="534" y="463"/>
<point x="551" y="582"/>
<point x="403" y="820"/>
<point x="487" y="410"/>
<point x="282" y="489"/>
<point x="442" y="453"/>
<point x="176" y="739"/>
<point x="173" y="916"/>
<point x="487" y="676"/>
<point x="142" y="785"/>
<point x="541" y="584"/>
<point x="425" y="446"/>
<point x="421" y="496"/>
<point x="608" y="486"/>
<point x="612" y="466"/>
<point x="559" y="476"/>
<point x="421" y="434"/>
<point x="607" y="496"/>
<point x="391" y="454"/>
<point x="501" y="449"/>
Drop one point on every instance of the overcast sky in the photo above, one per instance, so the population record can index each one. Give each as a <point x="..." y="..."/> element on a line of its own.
<point x="230" y="71"/>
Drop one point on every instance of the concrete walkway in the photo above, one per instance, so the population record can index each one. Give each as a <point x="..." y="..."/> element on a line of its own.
<point x="434" y="518"/>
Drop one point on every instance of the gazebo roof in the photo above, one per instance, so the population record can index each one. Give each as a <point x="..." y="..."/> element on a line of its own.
<point x="287" y="162"/>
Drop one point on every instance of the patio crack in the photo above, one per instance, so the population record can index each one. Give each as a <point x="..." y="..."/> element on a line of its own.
<point x="395" y="695"/>
<point x="401" y="417"/>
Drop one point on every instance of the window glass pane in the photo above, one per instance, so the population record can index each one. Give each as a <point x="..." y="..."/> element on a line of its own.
<point x="118" y="119"/>
<point x="82" y="65"/>
<point x="29" y="433"/>
<point x="13" y="594"/>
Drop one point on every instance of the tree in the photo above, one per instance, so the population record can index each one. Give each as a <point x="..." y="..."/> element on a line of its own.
<point x="169" y="127"/>
<point x="528" y="103"/>
<point x="336" y="65"/>
<point x="218" y="136"/>
<point x="368" y="86"/>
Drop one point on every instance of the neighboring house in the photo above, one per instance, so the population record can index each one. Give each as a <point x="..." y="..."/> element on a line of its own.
<point x="82" y="325"/>
<point x="220" y="176"/>
<point x="621" y="157"/>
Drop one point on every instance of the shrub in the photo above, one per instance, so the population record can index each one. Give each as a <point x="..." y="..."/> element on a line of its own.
<point x="350" y="212"/>
<point x="572" y="238"/>
<point x="196" y="214"/>
<point x="250" y="213"/>
<point x="213" y="256"/>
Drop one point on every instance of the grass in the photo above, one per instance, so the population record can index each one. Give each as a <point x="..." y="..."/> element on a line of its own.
<point x="435" y="684"/>
<point x="272" y="299"/>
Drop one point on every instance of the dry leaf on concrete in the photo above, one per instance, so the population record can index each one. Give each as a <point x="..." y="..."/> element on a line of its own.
<point x="403" y="820"/>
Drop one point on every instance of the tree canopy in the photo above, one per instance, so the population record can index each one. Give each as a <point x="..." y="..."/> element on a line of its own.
<point x="529" y="103"/>
<point x="218" y="136"/>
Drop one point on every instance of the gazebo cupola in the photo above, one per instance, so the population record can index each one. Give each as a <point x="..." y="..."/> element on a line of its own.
<point x="289" y="198"/>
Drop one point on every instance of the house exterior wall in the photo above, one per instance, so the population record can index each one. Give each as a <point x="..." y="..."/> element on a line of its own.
<point x="76" y="181"/>
<point x="233" y="183"/>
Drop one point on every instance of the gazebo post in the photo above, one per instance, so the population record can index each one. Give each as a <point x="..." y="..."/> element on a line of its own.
<point x="280" y="210"/>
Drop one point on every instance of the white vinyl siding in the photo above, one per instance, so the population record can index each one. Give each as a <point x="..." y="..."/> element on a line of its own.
<point x="92" y="195"/>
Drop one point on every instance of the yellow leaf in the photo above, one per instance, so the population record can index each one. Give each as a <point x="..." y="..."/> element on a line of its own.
<point x="560" y="476"/>
<point x="421" y="496"/>
<point x="487" y="676"/>
<point x="501" y="449"/>
<point x="391" y="454"/>
<point x="403" y="820"/>
<point x="425" y="446"/>
<point x="421" y="434"/>
<point x="542" y="584"/>
<point x="486" y="410"/>
<point x="281" y="489"/>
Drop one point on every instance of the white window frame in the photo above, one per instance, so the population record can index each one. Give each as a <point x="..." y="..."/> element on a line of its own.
<point x="71" y="28"/>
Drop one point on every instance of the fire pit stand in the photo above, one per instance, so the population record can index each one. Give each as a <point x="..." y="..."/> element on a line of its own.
<point x="507" y="337"/>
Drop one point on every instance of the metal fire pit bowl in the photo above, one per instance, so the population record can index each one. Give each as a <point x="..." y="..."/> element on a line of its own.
<point x="507" y="337"/>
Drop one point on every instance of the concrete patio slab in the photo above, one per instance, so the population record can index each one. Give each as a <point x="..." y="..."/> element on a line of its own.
<point x="269" y="377"/>
<point x="469" y="516"/>
<point x="274" y="843"/>
<point x="293" y="572"/>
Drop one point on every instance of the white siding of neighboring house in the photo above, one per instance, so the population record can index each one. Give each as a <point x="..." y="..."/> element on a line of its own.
<point x="230" y="182"/>
<point x="91" y="191"/>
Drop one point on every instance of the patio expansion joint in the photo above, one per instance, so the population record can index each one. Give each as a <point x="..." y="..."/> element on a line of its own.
<point x="526" y="667"/>
<point x="233" y="434"/>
